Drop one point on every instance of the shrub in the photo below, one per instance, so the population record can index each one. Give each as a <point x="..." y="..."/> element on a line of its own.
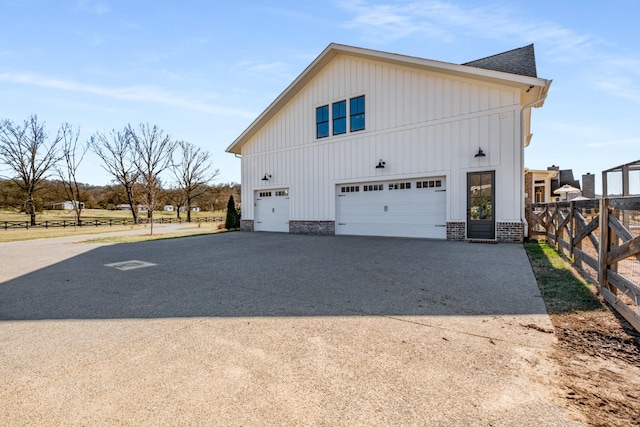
<point x="233" y="216"/>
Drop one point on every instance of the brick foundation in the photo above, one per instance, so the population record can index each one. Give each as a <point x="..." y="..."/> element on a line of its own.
<point x="510" y="232"/>
<point x="325" y="228"/>
<point x="246" y="225"/>
<point x="456" y="230"/>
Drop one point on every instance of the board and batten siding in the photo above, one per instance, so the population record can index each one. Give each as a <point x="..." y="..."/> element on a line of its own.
<point x="421" y="123"/>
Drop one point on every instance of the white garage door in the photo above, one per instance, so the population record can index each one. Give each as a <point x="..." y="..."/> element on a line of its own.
<point x="407" y="208"/>
<point x="271" y="210"/>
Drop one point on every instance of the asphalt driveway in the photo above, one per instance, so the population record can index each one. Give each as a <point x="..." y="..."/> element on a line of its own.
<point x="264" y="329"/>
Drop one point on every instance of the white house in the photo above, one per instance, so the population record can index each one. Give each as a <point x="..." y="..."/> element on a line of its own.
<point x="365" y="142"/>
<point x="168" y="208"/>
<point x="67" y="205"/>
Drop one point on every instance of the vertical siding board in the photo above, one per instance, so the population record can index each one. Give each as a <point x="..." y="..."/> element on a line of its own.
<point x="495" y="98"/>
<point x="483" y="132"/>
<point x="508" y="98"/>
<point x="378" y="98"/>
<point x="456" y="99"/>
<point x="414" y="92"/>
<point x="465" y="106"/>
<point x="495" y="139"/>
<point x="422" y="97"/>
<point x="465" y="144"/>
<point x="393" y="98"/>
<point x="431" y="97"/>
<point x="422" y="149"/>
<point x="484" y="99"/>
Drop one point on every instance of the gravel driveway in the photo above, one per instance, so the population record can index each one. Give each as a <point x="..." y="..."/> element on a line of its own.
<point x="274" y="329"/>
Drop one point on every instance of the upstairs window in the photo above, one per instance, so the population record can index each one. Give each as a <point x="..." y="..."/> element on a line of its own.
<point x="322" y="121"/>
<point x="339" y="117"/>
<point x="356" y="111"/>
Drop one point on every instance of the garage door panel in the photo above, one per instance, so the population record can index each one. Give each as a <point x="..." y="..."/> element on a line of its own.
<point x="408" y="212"/>
<point x="272" y="210"/>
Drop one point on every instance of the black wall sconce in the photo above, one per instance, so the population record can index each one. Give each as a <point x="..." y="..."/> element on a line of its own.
<point x="266" y="177"/>
<point x="480" y="153"/>
<point x="381" y="164"/>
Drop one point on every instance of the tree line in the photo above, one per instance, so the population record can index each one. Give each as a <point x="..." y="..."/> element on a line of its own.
<point x="42" y="169"/>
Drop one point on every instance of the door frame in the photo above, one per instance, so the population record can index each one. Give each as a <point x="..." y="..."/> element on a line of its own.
<point x="479" y="228"/>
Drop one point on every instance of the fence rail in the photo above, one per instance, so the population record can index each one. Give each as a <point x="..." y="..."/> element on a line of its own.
<point x="7" y="225"/>
<point x="603" y="239"/>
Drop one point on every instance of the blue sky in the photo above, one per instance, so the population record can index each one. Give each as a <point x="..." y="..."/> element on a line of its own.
<point x="203" y="70"/>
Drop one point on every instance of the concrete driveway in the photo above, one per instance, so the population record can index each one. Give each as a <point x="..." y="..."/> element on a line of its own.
<point x="274" y="329"/>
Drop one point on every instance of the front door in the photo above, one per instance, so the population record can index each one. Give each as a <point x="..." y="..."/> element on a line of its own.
<point x="481" y="223"/>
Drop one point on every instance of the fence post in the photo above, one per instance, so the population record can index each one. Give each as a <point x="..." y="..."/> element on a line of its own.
<point x="577" y="228"/>
<point x="604" y="242"/>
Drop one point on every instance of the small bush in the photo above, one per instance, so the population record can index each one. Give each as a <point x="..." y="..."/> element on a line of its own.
<point x="233" y="216"/>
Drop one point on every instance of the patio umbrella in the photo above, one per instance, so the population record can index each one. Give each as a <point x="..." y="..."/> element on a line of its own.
<point x="566" y="190"/>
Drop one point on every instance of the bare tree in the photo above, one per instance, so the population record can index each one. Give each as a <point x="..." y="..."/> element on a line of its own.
<point x="116" y="153"/>
<point x="30" y="156"/>
<point x="153" y="154"/>
<point x="72" y="155"/>
<point x="193" y="172"/>
<point x="175" y="196"/>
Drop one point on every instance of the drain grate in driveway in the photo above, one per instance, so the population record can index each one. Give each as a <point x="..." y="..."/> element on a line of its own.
<point x="130" y="265"/>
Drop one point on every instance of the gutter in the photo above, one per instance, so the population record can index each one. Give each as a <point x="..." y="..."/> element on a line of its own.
<point x="523" y="144"/>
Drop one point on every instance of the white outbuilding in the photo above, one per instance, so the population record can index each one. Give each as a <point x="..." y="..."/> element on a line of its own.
<point x="365" y="142"/>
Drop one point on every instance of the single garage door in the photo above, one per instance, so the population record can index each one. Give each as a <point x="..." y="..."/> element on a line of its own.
<point x="271" y="210"/>
<point x="406" y="208"/>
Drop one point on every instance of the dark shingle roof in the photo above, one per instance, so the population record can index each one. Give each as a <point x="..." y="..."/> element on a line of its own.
<point x="520" y="61"/>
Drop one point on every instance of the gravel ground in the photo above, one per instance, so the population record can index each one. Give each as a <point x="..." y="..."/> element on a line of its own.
<point x="264" y="329"/>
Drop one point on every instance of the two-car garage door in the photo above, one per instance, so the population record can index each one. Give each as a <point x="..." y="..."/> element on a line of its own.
<point x="404" y="208"/>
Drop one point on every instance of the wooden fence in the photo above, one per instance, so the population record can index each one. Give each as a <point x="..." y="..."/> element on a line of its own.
<point x="6" y="225"/>
<point x="602" y="236"/>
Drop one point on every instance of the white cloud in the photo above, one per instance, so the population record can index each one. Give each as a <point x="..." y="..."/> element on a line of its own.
<point x="131" y="93"/>
<point x="617" y="143"/>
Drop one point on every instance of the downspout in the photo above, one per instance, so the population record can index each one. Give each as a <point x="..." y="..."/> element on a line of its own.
<point x="523" y="144"/>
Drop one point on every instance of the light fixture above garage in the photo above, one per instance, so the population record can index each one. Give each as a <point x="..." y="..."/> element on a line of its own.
<point x="381" y="164"/>
<point x="480" y="153"/>
<point x="266" y="177"/>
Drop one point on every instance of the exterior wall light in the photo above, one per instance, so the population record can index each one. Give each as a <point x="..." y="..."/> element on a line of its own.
<point x="380" y="164"/>
<point x="480" y="153"/>
<point x="266" y="177"/>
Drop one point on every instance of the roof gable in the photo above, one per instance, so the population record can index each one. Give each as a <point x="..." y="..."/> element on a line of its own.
<point x="521" y="61"/>
<point x="525" y="82"/>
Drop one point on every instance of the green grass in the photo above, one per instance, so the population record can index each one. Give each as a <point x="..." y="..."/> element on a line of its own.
<point x="562" y="290"/>
<point x="147" y="237"/>
<point x="101" y="214"/>
<point x="16" y="235"/>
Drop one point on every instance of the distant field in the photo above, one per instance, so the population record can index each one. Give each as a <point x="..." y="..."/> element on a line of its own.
<point x="102" y="214"/>
<point x="15" y="234"/>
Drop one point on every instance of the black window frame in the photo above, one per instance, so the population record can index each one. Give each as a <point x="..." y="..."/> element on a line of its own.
<point x="322" y="119"/>
<point x="339" y="119"/>
<point x="357" y="113"/>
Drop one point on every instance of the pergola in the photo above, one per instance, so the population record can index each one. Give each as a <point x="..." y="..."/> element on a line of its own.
<point x="625" y="170"/>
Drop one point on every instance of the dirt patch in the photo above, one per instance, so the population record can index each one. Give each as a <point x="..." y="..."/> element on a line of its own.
<point x="597" y="351"/>
<point x="600" y="363"/>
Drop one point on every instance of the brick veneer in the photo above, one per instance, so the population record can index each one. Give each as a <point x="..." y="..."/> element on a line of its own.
<point x="456" y="230"/>
<point x="246" y="225"/>
<point x="326" y="228"/>
<point x="512" y="232"/>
